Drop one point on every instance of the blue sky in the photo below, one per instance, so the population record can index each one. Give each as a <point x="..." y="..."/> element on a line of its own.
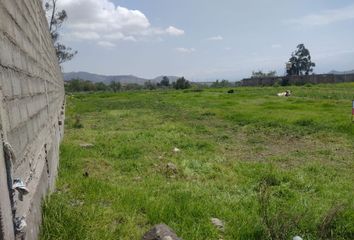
<point x="206" y="40"/>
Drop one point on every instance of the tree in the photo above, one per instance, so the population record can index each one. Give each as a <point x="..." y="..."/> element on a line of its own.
<point x="182" y="83"/>
<point x="223" y="83"/>
<point x="56" y="20"/>
<point x="165" y="82"/>
<point x="150" y="85"/>
<point x="115" y="86"/>
<point x="260" y="74"/>
<point x="300" y="62"/>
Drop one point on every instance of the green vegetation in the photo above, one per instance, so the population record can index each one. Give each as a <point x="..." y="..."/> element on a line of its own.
<point x="268" y="167"/>
<point x="300" y="62"/>
<point x="79" y="85"/>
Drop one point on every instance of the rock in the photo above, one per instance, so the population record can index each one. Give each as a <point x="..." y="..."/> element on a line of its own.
<point x="297" y="238"/>
<point x="218" y="223"/>
<point x="160" y="232"/>
<point x="171" y="169"/>
<point x="86" y="145"/>
<point x="176" y="150"/>
<point x="136" y="179"/>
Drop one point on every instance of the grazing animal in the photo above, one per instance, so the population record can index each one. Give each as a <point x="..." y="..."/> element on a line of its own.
<point x="287" y="93"/>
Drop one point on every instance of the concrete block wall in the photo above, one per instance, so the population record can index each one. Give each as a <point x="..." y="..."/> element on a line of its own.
<point x="31" y="111"/>
<point x="298" y="80"/>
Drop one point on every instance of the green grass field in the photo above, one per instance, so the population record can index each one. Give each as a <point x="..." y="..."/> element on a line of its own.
<point x="268" y="167"/>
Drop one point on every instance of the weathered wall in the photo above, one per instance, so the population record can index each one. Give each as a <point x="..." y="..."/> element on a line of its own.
<point x="298" y="80"/>
<point x="31" y="111"/>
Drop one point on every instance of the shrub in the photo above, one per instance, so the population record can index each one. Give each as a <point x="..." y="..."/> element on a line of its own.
<point x="77" y="123"/>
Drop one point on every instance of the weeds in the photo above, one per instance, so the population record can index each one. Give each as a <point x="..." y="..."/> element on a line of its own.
<point x="77" y="124"/>
<point x="258" y="162"/>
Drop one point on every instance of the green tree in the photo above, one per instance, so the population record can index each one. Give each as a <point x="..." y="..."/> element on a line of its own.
<point x="56" y="20"/>
<point x="182" y="83"/>
<point x="100" y="86"/>
<point x="150" y="85"/>
<point x="300" y="62"/>
<point x="115" y="86"/>
<point x="221" y="84"/>
<point x="165" y="82"/>
<point x="260" y="74"/>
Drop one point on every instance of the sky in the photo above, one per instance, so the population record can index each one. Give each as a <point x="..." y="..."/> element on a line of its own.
<point x="206" y="40"/>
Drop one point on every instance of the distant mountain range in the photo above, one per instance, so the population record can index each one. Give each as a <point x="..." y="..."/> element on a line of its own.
<point x="341" y="73"/>
<point x="125" y="79"/>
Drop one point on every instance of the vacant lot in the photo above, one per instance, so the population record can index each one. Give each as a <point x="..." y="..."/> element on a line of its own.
<point x="268" y="167"/>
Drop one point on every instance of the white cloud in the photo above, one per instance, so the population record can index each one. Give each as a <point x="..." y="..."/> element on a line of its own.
<point x="215" y="38"/>
<point x="325" y="17"/>
<point x="106" y="44"/>
<point x="276" y="45"/>
<point x="185" y="50"/>
<point x="174" y="31"/>
<point x="102" y="21"/>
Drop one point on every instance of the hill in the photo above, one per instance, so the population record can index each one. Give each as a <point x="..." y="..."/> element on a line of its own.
<point x="116" y="78"/>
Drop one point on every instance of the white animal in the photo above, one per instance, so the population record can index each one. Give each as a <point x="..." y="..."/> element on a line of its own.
<point x="287" y="93"/>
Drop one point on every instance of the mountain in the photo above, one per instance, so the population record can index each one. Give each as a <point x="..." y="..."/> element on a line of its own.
<point x="125" y="79"/>
<point x="341" y="73"/>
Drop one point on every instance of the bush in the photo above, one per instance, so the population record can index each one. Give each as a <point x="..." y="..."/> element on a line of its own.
<point x="77" y="123"/>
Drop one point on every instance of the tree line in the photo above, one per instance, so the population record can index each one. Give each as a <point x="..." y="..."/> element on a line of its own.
<point x="80" y="85"/>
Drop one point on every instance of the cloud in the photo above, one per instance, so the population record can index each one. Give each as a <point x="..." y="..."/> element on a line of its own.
<point x="106" y="44"/>
<point x="325" y="17"/>
<point x="216" y="38"/>
<point x="185" y="50"/>
<point x="173" y="31"/>
<point x="276" y="45"/>
<point x="102" y="21"/>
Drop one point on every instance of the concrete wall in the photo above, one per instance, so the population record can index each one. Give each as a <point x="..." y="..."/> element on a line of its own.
<point x="297" y="80"/>
<point x="31" y="112"/>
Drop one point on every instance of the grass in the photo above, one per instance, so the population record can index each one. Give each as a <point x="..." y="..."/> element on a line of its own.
<point x="268" y="167"/>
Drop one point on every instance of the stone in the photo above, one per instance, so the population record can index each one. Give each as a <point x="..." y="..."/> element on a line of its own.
<point x="218" y="223"/>
<point x="160" y="232"/>
<point x="176" y="150"/>
<point x="297" y="238"/>
<point x="86" y="145"/>
<point x="171" y="169"/>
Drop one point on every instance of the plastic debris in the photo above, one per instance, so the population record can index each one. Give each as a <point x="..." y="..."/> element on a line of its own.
<point x="218" y="223"/>
<point x="20" y="186"/>
<point x="20" y="226"/>
<point x="86" y="145"/>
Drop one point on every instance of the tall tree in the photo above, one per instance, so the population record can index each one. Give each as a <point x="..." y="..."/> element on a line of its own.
<point x="182" y="83"/>
<point x="115" y="86"/>
<point x="165" y="82"/>
<point x="300" y="62"/>
<point x="56" y="20"/>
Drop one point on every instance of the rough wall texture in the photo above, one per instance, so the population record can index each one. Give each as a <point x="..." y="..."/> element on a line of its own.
<point x="298" y="80"/>
<point x="31" y="112"/>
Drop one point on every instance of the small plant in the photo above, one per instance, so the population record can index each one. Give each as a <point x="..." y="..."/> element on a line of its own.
<point x="278" y="221"/>
<point x="77" y="123"/>
<point x="325" y="228"/>
<point x="276" y="84"/>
